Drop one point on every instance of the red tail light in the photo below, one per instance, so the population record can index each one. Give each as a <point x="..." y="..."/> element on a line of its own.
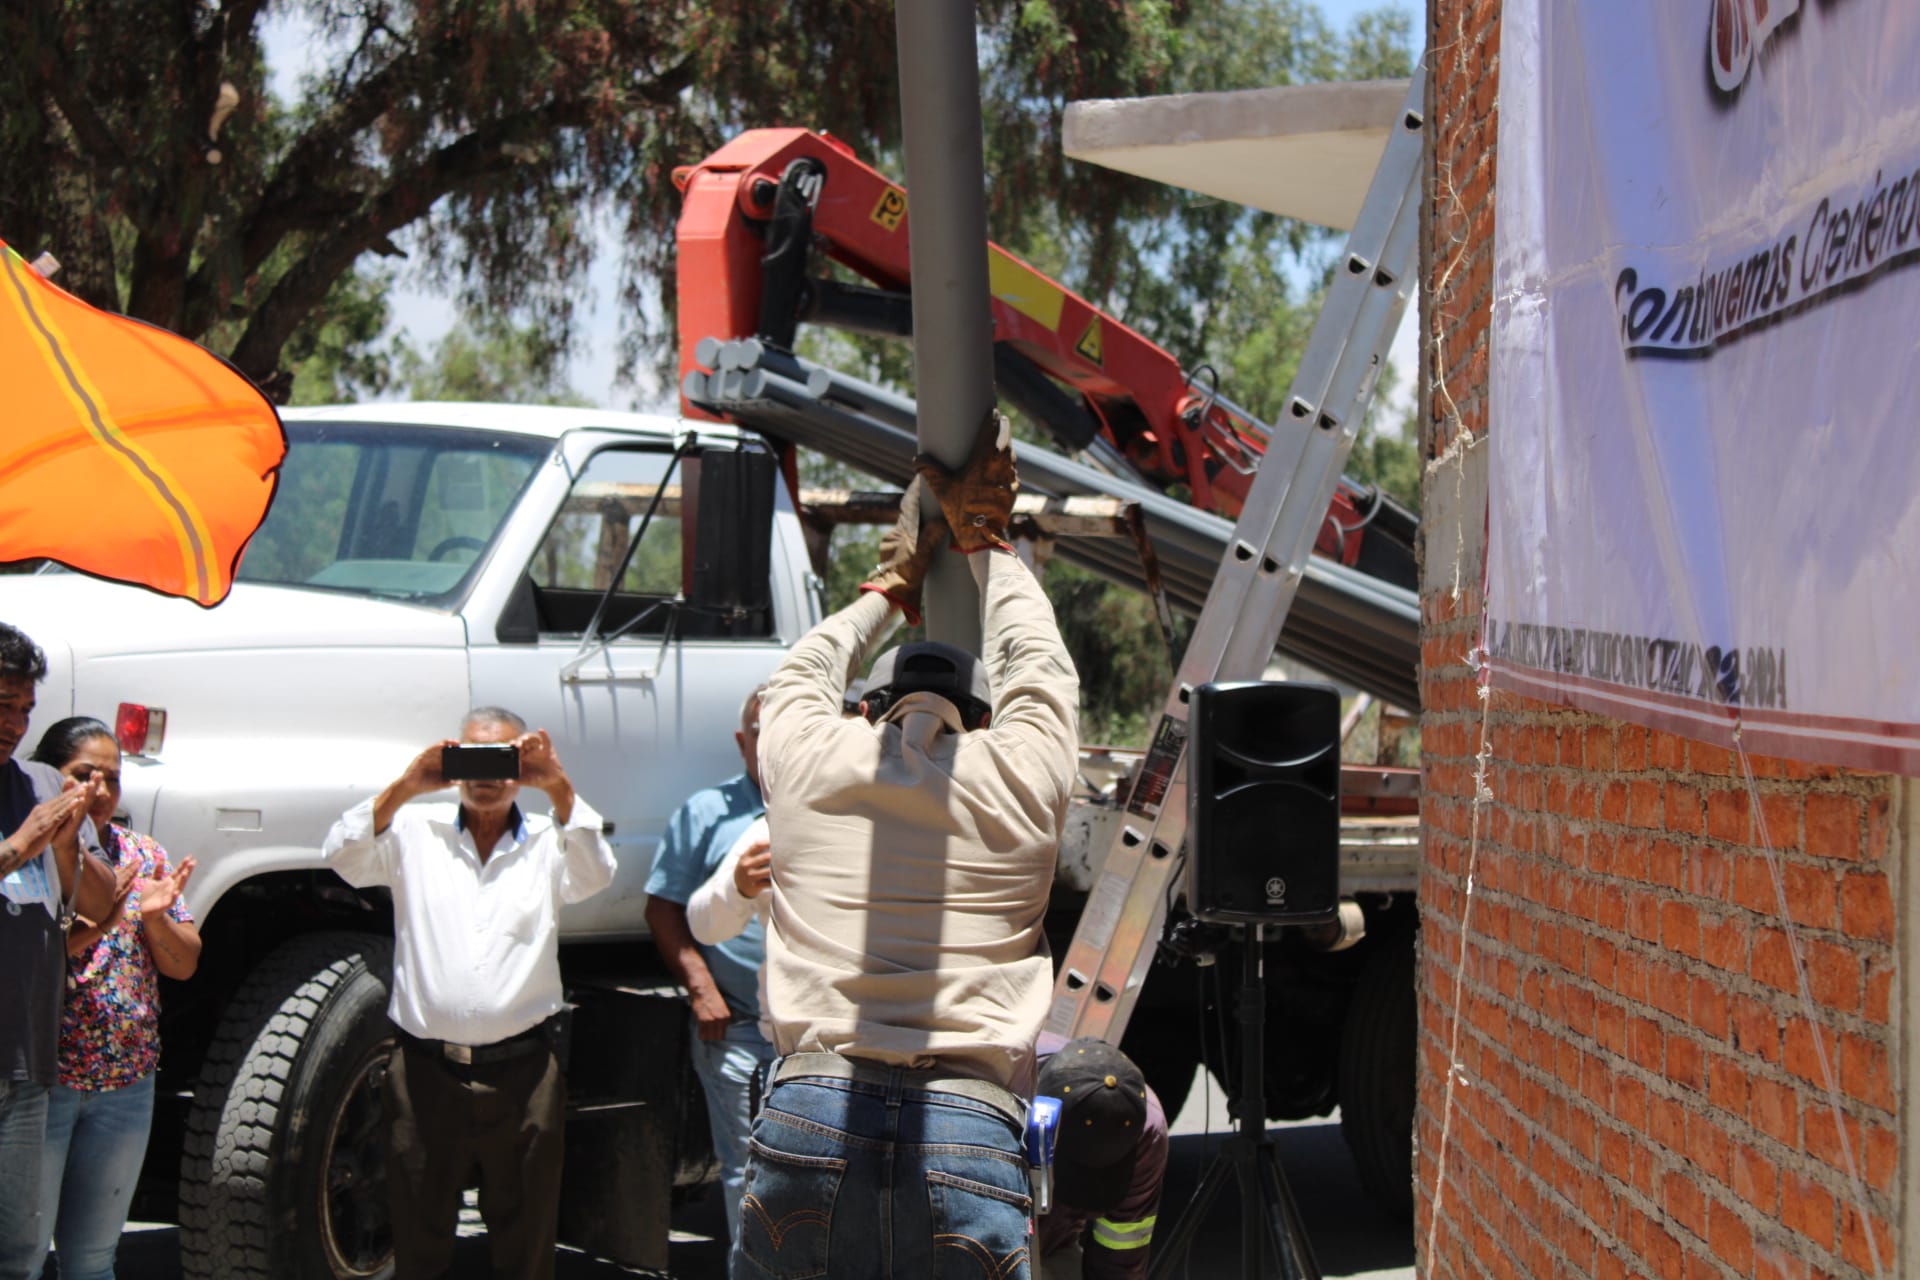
<point x="140" y="730"/>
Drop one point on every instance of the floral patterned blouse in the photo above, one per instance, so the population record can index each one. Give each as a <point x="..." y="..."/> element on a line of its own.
<point x="110" y="1034"/>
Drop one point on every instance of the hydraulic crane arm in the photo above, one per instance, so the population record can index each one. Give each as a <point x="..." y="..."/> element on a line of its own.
<point x="758" y="211"/>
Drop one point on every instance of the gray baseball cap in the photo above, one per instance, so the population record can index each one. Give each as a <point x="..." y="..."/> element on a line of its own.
<point x="928" y="666"/>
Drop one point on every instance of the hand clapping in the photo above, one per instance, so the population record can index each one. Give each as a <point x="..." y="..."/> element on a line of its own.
<point x="160" y="894"/>
<point x="53" y="821"/>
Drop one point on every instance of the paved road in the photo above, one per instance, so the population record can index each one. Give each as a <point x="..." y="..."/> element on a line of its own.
<point x="1350" y="1236"/>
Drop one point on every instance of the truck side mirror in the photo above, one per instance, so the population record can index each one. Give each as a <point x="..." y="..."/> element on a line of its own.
<point x="732" y="550"/>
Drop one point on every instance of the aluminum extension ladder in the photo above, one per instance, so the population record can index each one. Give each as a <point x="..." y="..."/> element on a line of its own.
<point x="1113" y="947"/>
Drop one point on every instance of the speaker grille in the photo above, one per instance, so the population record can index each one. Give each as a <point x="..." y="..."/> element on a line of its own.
<point x="1264" y="833"/>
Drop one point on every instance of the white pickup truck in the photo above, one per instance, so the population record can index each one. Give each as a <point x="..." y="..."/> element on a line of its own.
<point x="620" y="580"/>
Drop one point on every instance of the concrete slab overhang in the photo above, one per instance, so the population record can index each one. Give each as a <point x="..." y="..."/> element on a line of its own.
<point x="1306" y="151"/>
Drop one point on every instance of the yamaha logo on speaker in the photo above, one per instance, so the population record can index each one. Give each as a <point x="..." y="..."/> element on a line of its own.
<point x="1276" y="892"/>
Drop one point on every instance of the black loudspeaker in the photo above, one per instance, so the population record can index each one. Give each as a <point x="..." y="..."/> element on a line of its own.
<point x="1263" y="838"/>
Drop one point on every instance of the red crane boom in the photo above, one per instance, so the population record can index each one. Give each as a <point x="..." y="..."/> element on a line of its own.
<point x="758" y="210"/>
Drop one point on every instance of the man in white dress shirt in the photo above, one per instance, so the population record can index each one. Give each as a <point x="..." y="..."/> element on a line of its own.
<point x="476" y="1085"/>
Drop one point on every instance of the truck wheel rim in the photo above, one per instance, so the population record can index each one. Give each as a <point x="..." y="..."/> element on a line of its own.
<point x="356" y="1232"/>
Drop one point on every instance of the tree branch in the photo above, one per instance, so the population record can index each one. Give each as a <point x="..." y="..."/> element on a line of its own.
<point x="284" y="204"/>
<point x="296" y="200"/>
<point x="407" y="197"/>
<point x="90" y="131"/>
<point x="237" y="19"/>
<point x="666" y="87"/>
<point x="174" y="201"/>
<point x="281" y="205"/>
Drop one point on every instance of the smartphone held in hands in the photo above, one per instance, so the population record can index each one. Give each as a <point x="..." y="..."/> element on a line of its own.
<point x="480" y="762"/>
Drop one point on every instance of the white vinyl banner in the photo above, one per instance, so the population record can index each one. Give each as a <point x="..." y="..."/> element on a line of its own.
<point x="1705" y="370"/>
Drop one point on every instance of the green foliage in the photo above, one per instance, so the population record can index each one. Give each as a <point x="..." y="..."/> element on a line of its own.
<point x="606" y="519"/>
<point x="854" y="549"/>
<point x="385" y="512"/>
<point x="336" y="354"/>
<point x="486" y="132"/>
<point x="465" y="503"/>
<point x="483" y="134"/>
<point x="482" y="125"/>
<point x="1169" y="262"/>
<point x="1117" y="649"/>
<point x="1391" y="460"/>
<point x="490" y="359"/>
<point x="314" y="486"/>
<point x="1220" y="286"/>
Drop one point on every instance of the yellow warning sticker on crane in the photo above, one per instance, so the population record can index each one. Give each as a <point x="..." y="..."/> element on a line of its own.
<point x="891" y="209"/>
<point x="1024" y="289"/>
<point x="1090" y="346"/>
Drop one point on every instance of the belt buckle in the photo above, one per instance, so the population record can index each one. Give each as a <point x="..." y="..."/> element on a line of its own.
<point x="459" y="1053"/>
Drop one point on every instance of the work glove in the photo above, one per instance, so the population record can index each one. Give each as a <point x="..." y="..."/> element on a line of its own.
<point x="905" y="552"/>
<point x="978" y="501"/>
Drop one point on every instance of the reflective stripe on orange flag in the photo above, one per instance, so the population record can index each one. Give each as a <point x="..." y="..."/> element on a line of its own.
<point x="125" y="451"/>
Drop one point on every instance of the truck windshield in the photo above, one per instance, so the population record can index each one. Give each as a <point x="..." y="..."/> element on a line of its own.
<point x="394" y="511"/>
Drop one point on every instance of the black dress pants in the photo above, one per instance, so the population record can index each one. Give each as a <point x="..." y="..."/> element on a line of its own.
<point x="502" y="1121"/>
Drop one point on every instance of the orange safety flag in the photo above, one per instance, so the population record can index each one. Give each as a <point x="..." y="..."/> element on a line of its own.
<point x="125" y="451"/>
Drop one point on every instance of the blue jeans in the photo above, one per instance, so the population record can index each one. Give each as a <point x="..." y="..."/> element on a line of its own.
<point x="23" y="1132"/>
<point x="96" y="1140"/>
<point x="863" y="1180"/>
<point x="726" y="1068"/>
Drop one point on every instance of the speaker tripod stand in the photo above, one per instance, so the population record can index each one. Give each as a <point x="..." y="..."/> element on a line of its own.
<point x="1269" y="1220"/>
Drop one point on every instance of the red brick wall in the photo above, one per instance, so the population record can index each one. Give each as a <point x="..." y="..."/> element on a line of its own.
<point x="1638" y="1091"/>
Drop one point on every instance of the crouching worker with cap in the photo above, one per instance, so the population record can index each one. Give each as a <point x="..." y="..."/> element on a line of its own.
<point x="1108" y="1165"/>
<point x="475" y="1086"/>
<point x="907" y="969"/>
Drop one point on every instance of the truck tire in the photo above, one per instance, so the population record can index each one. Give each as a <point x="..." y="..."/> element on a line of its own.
<point x="1376" y="1076"/>
<point x="283" y="1176"/>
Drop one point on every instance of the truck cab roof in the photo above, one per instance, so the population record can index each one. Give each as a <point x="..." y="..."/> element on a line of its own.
<point x="549" y="421"/>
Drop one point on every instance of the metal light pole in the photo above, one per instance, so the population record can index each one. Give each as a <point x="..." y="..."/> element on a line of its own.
<point x="947" y="222"/>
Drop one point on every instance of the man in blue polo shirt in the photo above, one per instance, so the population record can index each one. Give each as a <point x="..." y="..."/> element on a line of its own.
<point x="722" y="980"/>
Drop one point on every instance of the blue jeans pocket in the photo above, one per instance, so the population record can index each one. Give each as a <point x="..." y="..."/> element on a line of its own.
<point x="979" y="1230"/>
<point x="786" y="1212"/>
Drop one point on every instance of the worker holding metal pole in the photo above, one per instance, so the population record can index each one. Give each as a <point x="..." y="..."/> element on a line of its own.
<point x="913" y="848"/>
<point x="907" y="966"/>
<point x="952" y="310"/>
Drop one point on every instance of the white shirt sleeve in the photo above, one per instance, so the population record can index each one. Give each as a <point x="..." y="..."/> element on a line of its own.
<point x="718" y="910"/>
<point x="586" y="859"/>
<point x="361" y="858"/>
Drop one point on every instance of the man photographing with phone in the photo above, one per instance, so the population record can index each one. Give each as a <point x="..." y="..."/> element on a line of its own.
<point x="476" y="1083"/>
